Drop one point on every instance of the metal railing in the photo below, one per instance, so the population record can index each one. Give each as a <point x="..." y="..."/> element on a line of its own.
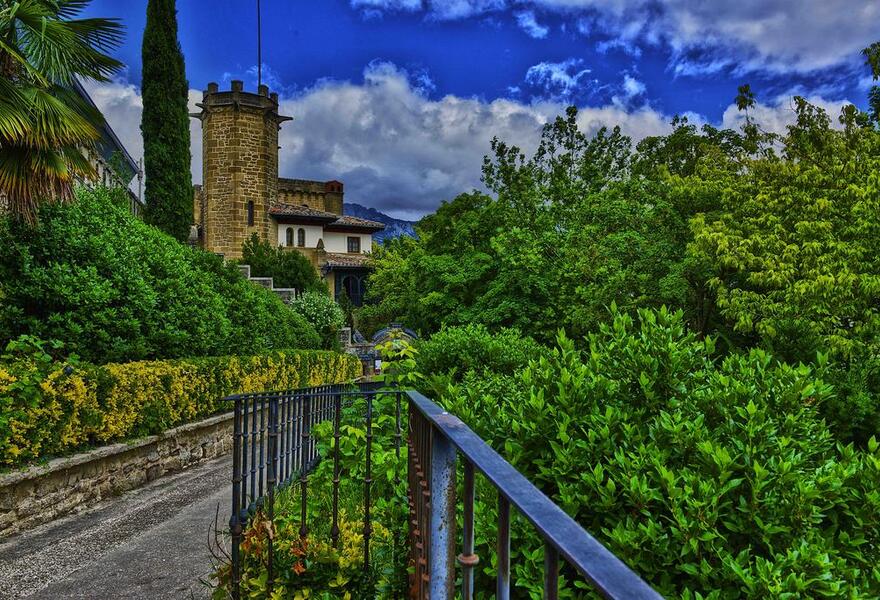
<point x="273" y="444"/>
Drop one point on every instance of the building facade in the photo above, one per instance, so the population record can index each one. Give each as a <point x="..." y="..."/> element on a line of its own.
<point x="242" y="195"/>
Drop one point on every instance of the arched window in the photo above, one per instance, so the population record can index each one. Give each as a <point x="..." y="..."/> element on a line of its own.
<point x="250" y="212"/>
<point x="289" y="240"/>
<point x="300" y="237"/>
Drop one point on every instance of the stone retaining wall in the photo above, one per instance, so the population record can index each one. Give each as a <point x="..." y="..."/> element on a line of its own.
<point x="72" y="484"/>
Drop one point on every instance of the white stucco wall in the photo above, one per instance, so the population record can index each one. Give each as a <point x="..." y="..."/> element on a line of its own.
<point x="313" y="234"/>
<point x="337" y="241"/>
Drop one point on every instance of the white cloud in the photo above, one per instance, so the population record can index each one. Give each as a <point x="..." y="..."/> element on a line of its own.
<point x="395" y="148"/>
<point x="776" y="117"/>
<point x="705" y="35"/>
<point x="528" y="23"/>
<point x="632" y="87"/>
<point x="558" y="80"/>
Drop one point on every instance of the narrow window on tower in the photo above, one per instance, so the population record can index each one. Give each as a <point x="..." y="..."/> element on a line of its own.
<point x="250" y="214"/>
<point x="354" y="244"/>
<point x="301" y="237"/>
<point x="289" y="241"/>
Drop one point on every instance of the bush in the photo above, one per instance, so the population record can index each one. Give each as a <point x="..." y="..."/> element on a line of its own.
<point x="322" y="313"/>
<point x="312" y="567"/>
<point x="48" y="409"/>
<point x="473" y="348"/>
<point x="288" y="268"/>
<point x="115" y="289"/>
<point x="710" y="479"/>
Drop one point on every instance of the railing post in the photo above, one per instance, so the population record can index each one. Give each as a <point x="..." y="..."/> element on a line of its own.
<point x="502" y="591"/>
<point x="467" y="559"/>
<point x="442" y="536"/>
<point x="551" y="572"/>
<point x="304" y="453"/>
<point x="272" y="459"/>
<point x="337" y="410"/>
<point x="234" y="522"/>
<point x="368" y="482"/>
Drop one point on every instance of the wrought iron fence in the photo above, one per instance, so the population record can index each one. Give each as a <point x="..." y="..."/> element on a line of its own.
<point x="273" y="445"/>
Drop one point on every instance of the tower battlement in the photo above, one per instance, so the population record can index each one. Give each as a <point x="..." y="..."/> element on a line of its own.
<point x="240" y="165"/>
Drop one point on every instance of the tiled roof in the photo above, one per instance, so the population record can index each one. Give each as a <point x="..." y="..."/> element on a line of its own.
<point x="348" y="221"/>
<point x="292" y="210"/>
<point x="330" y="220"/>
<point x="347" y="260"/>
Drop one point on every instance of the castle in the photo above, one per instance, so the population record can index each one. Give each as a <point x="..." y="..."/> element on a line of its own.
<point x="241" y="193"/>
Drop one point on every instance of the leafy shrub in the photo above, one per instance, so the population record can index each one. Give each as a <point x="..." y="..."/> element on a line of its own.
<point x="312" y="567"/>
<point x="319" y="310"/>
<point x="113" y="288"/>
<point x="288" y="268"/>
<point x="47" y="409"/>
<point x="473" y="348"/>
<point x="712" y="480"/>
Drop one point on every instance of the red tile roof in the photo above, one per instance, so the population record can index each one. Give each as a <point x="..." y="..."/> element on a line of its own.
<point x="330" y="220"/>
<point x="346" y="221"/>
<point x="347" y="260"/>
<point x="292" y="210"/>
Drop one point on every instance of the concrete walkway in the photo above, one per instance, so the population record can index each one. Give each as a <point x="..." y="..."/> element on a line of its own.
<point x="150" y="543"/>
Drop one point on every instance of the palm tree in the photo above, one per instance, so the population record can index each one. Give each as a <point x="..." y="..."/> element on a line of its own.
<point x="44" y="124"/>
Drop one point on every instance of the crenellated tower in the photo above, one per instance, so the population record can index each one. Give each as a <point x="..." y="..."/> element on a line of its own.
<point x="240" y="166"/>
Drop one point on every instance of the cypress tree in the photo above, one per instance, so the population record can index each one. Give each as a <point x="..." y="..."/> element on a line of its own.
<point x="165" y="123"/>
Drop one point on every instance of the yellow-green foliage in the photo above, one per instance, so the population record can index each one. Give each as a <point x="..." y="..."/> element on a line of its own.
<point x="46" y="415"/>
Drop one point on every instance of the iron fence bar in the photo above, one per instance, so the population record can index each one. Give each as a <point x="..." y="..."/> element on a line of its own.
<point x="467" y="559"/>
<point x="253" y="450"/>
<point x="235" y="527"/>
<point x="368" y="481"/>
<point x="442" y="553"/>
<point x="262" y="445"/>
<point x="337" y="410"/>
<point x="607" y="573"/>
<point x="282" y="430"/>
<point x="397" y="439"/>
<point x="503" y="578"/>
<point x="551" y="572"/>
<point x="303" y="480"/>
<point x="270" y="485"/>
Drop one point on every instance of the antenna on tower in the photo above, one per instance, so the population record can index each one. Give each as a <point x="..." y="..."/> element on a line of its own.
<point x="259" y="47"/>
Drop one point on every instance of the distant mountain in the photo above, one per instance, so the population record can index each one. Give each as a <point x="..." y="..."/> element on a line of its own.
<point x="393" y="227"/>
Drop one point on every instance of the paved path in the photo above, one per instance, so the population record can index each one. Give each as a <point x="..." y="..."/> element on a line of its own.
<point x="150" y="544"/>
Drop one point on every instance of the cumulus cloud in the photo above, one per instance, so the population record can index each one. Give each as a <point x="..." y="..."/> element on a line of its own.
<point x="704" y="35"/>
<point x="777" y="116"/>
<point x="558" y="80"/>
<point x="397" y="149"/>
<point x="121" y="104"/>
<point x="528" y="23"/>
<point x="632" y="87"/>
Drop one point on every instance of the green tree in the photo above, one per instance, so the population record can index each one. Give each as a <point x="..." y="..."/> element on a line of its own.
<point x="44" y="123"/>
<point x="165" y="124"/>
<point x="288" y="268"/>
<point x="872" y="59"/>
<point x="794" y="254"/>
<point x="115" y="289"/>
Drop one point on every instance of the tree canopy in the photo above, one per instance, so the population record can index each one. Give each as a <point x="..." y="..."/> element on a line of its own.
<point x="165" y="124"/>
<point x="44" y="123"/>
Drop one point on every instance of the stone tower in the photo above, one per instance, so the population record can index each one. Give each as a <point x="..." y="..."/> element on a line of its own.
<point x="240" y="166"/>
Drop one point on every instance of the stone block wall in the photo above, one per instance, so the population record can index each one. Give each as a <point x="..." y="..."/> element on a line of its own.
<point x="68" y="485"/>
<point x="240" y="165"/>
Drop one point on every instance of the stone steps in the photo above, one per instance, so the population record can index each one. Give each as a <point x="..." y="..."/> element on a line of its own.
<point x="287" y="295"/>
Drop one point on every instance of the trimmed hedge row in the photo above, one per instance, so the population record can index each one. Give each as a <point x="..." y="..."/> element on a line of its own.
<point x="57" y="411"/>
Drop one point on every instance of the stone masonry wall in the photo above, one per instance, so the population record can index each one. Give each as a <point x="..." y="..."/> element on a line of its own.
<point x="68" y="485"/>
<point x="240" y="165"/>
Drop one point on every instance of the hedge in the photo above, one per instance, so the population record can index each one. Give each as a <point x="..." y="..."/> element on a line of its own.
<point x="56" y="411"/>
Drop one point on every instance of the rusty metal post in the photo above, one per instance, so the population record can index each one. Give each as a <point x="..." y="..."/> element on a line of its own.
<point x="442" y="549"/>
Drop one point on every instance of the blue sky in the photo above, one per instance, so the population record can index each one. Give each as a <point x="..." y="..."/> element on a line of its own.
<point x="399" y="98"/>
